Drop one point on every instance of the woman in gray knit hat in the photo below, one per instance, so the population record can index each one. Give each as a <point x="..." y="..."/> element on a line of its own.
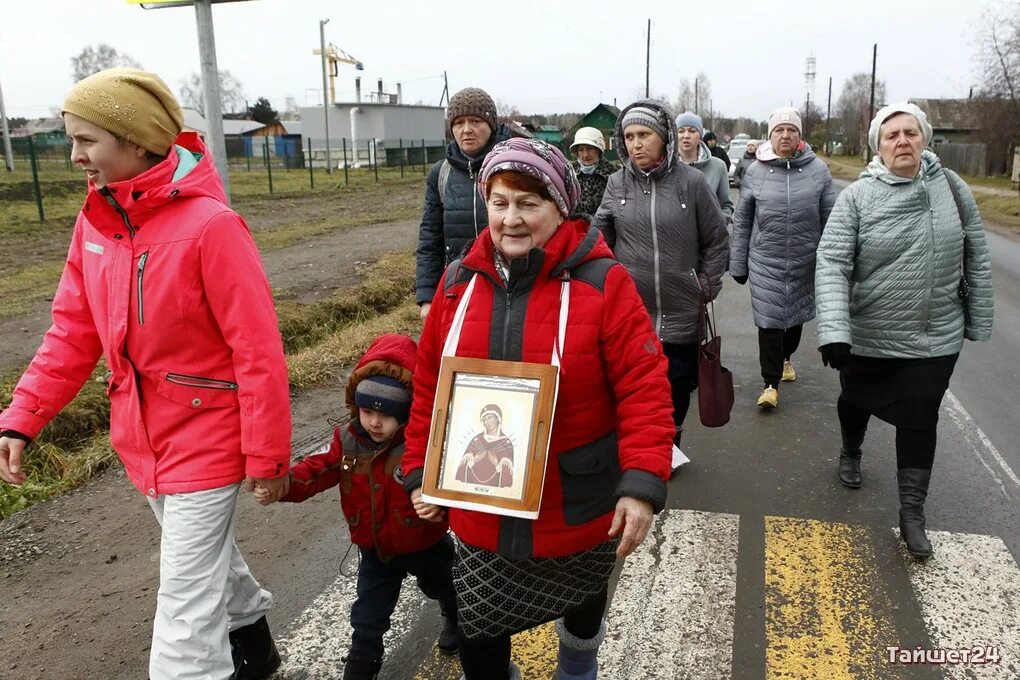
<point x="663" y="222"/>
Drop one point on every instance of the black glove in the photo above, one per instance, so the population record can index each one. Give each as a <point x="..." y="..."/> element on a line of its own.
<point x="740" y="279"/>
<point x="835" y="355"/>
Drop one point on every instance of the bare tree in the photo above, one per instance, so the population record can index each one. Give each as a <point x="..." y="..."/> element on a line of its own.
<point x="98" y="58"/>
<point x="290" y="109"/>
<point x="851" y="116"/>
<point x="231" y="93"/>
<point x="505" y="112"/>
<point x="998" y="67"/>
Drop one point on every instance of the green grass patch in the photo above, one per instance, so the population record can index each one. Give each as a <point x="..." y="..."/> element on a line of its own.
<point x="1004" y="210"/>
<point x="22" y="291"/>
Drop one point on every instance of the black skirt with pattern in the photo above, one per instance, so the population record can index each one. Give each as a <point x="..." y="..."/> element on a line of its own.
<point x="497" y="596"/>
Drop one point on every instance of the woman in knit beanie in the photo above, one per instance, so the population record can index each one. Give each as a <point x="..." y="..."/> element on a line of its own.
<point x="452" y="216"/>
<point x="539" y="285"/>
<point x="785" y="200"/>
<point x="664" y="223"/>
<point x="165" y="283"/>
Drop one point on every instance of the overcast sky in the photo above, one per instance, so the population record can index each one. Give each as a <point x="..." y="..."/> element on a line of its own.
<point x="540" y="56"/>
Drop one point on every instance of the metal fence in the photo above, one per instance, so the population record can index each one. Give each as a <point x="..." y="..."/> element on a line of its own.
<point x="265" y="155"/>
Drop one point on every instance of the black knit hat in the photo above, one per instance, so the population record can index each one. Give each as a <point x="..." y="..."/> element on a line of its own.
<point x="471" y="101"/>
<point x="384" y="394"/>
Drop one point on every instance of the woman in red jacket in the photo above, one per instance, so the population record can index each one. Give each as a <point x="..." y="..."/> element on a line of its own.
<point x="164" y="282"/>
<point x="612" y="431"/>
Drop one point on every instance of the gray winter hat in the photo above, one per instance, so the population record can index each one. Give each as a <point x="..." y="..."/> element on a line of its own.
<point x="887" y="112"/>
<point x="690" y="119"/>
<point x="640" y="115"/>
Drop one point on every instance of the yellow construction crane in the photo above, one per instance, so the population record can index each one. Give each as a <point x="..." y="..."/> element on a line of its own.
<point x="335" y="56"/>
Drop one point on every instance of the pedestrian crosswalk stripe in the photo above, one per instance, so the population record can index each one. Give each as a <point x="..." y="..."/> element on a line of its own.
<point x="672" y="613"/>
<point x="534" y="651"/>
<point x="969" y="593"/>
<point x="319" y="638"/>
<point x="824" y="618"/>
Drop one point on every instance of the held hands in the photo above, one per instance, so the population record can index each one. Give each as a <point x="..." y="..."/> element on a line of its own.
<point x="426" y="511"/>
<point x="423" y="311"/>
<point x="268" y="491"/>
<point x="634" y="518"/>
<point x="11" y="449"/>
<point x="835" y="355"/>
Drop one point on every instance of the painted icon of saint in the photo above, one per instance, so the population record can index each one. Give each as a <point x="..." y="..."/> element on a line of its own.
<point x="489" y="457"/>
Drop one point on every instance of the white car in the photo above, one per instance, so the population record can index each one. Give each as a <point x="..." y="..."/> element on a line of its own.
<point x="736" y="150"/>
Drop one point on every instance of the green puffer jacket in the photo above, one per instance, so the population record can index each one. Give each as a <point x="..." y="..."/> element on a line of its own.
<point x="889" y="265"/>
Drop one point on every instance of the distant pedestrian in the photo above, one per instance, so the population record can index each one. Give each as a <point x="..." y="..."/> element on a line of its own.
<point x="164" y="282"/>
<point x="454" y="214"/>
<point x="695" y="153"/>
<point x="663" y="222"/>
<point x="592" y="167"/>
<point x="903" y="277"/>
<point x="712" y="142"/>
<point x="745" y="162"/>
<point x="785" y="200"/>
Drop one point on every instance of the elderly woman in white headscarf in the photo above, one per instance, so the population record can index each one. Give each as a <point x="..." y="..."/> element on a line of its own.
<point x="903" y="277"/>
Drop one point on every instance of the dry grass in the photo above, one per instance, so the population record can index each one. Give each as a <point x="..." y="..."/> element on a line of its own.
<point x="324" y="362"/>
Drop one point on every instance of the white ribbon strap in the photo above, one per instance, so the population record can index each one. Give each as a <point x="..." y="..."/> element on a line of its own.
<point x="453" y="338"/>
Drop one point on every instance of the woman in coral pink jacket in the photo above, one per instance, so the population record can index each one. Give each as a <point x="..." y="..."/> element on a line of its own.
<point x="164" y="282"/>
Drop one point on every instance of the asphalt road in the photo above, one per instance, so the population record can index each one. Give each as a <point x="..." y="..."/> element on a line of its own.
<point x="763" y="566"/>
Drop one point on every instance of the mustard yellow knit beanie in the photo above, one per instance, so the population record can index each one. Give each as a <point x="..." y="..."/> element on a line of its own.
<point x="132" y="104"/>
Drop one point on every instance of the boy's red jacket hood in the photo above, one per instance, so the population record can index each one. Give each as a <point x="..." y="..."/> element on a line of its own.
<point x="392" y="355"/>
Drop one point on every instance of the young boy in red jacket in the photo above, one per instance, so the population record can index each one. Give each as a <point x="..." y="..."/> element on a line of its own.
<point x="364" y="461"/>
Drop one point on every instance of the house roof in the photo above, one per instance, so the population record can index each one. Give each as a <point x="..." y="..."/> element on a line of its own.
<point x="950" y="114"/>
<point x="44" y="125"/>
<point x="240" y="127"/>
<point x="193" y="120"/>
<point x="291" y="127"/>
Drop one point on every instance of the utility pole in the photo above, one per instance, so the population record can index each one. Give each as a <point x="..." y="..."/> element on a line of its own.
<point x="807" y="115"/>
<point x="696" y="110"/>
<point x="211" y="88"/>
<point x="8" y="152"/>
<point x="446" y="91"/>
<point x="874" y="62"/>
<point x="828" y="114"/>
<point x="325" y="98"/>
<point x="648" y="58"/>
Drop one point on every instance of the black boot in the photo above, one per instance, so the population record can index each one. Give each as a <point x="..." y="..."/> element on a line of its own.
<point x="254" y="652"/>
<point x="360" y="669"/>
<point x="447" y="641"/>
<point x="849" y="472"/>
<point x="913" y="483"/>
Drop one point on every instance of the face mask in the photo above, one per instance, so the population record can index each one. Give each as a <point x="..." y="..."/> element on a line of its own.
<point x="587" y="169"/>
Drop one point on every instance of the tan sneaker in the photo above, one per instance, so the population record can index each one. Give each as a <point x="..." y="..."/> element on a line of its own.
<point x="769" y="398"/>
<point x="789" y="375"/>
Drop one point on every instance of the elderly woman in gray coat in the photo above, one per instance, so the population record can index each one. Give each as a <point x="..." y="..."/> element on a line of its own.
<point x="785" y="200"/>
<point x="903" y="277"/>
<point x="663" y="222"/>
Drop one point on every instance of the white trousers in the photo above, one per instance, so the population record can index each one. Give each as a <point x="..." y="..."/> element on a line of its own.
<point x="205" y="587"/>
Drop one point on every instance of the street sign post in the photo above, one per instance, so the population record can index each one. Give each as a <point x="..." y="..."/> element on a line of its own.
<point x="210" y="75"/>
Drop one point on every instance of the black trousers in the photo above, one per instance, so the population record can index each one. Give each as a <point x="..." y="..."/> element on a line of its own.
<point x="489" y="658"/>
<point x="683" y="379"/>
<point x="914" y="448"/>
<point x="774" y="347"/>
<point x="379" y="588"/>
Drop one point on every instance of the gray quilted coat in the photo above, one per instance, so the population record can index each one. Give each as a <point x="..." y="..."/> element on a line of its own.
<point x="889" y="266"/>
<point x="783" y="207"/>
<point x="663" y="226"/>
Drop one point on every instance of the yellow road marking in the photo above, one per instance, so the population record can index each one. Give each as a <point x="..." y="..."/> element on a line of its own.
<point x="533" y="650"/>
<point x="825" y="617"/>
